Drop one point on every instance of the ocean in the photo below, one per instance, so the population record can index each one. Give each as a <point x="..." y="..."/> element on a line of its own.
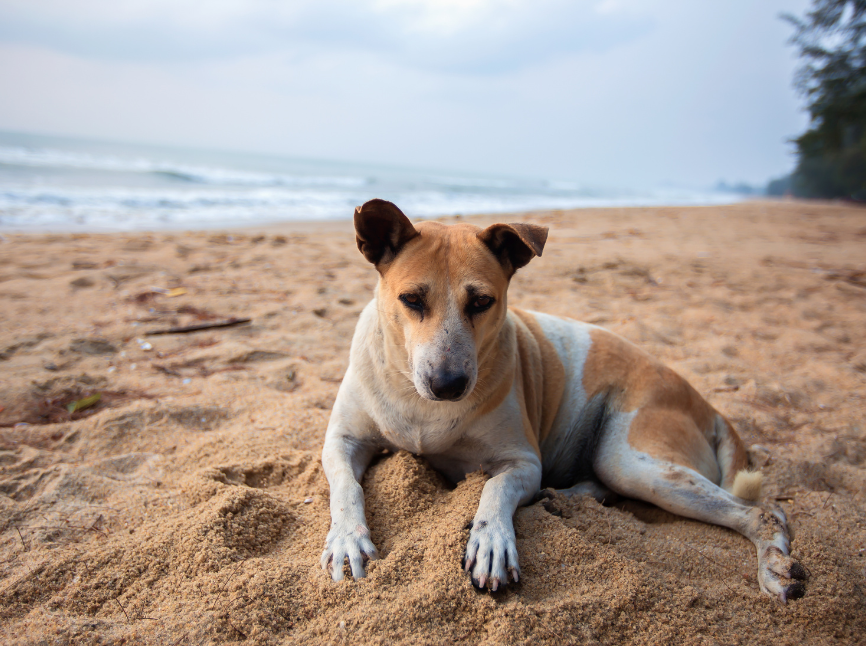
<point x="65" y="184"/>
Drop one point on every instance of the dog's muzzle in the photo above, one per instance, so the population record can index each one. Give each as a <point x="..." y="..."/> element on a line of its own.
<point x="449" y="387"/>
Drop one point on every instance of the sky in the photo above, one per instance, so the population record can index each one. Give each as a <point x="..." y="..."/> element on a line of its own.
<point x="608" y="93"/>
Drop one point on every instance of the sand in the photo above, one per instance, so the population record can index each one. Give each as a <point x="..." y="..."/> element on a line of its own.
<point x="188" y="505"/>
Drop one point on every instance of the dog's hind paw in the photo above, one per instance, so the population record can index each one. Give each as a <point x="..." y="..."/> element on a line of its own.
<point x="354" y="545"/>
<point x="781" y="576"/>
<point x="543" y="494"/>
<point x="491" y="554"/>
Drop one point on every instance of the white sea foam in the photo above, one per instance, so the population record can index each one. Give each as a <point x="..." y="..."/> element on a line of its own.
<point x="112" y="208"/>
<point x="89" y="186"/>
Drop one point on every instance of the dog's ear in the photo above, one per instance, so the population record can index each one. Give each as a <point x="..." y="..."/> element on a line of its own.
<point x="381" y="230"/>
<point x="514" y="244"/>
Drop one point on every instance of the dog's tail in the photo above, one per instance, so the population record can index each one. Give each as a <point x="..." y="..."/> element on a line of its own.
<point x="747" y="484"/>
<point x="737" y="478"/>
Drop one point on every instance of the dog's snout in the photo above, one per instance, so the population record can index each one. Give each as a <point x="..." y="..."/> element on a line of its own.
<point x="449" y="386"/>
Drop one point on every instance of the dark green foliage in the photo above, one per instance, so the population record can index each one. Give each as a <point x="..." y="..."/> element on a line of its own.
<point x="832" y="153"/>
<point x="779" y="186"/>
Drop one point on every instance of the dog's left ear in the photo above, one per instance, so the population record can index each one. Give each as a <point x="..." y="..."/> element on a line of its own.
<point x="381" y="230"/>
<point x="514" y="244"/>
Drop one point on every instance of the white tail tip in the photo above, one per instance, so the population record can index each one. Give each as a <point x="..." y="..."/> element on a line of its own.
<point x="747" y="485"/>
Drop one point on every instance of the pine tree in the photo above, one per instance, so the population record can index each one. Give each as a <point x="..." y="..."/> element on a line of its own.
<point x="831" y="38"/>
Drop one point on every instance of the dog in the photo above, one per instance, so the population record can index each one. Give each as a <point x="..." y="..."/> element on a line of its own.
<point x="442" y="368"/>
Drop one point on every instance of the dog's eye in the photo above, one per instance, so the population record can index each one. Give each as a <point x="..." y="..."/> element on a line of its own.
<point x="480" y="304"/>
<point x="413" y="302"/>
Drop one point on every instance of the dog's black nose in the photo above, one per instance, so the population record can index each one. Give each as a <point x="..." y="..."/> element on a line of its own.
<point x="449" y="387"/>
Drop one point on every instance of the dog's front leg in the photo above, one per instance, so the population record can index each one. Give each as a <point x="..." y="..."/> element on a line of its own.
<point x="491" y="552"/>
<point x="345" y="459"/>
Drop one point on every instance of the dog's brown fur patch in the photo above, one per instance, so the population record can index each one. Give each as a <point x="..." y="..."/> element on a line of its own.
<point x="542" y="375"/>
<point x="674" y="422"/>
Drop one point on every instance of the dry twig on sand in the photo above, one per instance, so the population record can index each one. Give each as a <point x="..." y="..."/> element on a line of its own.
<point x="201" y="326"/>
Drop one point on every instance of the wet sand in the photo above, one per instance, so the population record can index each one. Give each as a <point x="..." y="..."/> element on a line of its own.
<point x="188" y="505"/>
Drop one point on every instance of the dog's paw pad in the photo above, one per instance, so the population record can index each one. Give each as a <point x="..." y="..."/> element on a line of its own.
<point x="798" y="572"/>
<point x="794" y="591"/>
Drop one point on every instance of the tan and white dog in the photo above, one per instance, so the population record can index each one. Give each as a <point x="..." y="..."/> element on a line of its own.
<point x="442" y="368"/>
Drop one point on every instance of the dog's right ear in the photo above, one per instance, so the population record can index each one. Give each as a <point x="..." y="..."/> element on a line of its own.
<point x="514" y="244"/>
<point x="381" y="230"/>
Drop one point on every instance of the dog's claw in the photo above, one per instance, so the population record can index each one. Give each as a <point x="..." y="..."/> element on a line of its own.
<point x="354" y="546"/>
<point x="491" y="554"/>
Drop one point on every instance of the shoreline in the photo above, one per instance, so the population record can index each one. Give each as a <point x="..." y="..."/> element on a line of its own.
<point x="337" y="223"/>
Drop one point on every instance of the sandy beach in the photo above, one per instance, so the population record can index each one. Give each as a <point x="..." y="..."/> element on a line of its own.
<point x="167" y="489"/>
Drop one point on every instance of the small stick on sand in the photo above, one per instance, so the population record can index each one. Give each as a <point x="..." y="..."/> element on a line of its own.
<point x="122" y="608"/>
<point x="166" y="370"/>
<point x="235" y="627"/>
<point x="201" y="326"/>
<point x="711" y="561"/>
<point x="23" y="544"/>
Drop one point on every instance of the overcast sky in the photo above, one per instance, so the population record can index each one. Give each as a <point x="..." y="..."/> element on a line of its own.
<point x="618" y="93"/>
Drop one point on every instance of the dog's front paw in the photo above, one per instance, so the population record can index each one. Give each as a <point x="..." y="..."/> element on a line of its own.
<point x="491" y="553"/>
<point x="351" y="543"/>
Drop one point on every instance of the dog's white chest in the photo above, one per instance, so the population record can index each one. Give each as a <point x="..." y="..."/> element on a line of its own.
<point x="418" y="438"/>
<point x="414" y="431"/>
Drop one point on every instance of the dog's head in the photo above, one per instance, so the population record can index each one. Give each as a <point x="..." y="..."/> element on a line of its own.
<point x="442" y="292"/>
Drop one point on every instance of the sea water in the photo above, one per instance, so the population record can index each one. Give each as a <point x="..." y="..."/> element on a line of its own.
<point x="65" y="184"/>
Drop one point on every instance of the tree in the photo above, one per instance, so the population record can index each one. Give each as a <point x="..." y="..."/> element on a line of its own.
<point x="831" y="38"/>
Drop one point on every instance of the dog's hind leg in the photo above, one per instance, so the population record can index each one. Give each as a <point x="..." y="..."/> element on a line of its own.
<point x="591" y="488"/>
<point x="670" y="470"/>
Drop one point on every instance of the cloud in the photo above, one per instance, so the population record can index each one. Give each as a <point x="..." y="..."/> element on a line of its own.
<point x="614" y="92"/>
<point x="452" y="36"/>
